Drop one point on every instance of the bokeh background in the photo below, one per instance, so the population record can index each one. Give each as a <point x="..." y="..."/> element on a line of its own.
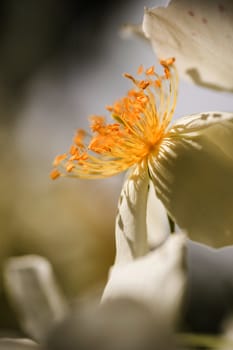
<point x="61" y="61"/>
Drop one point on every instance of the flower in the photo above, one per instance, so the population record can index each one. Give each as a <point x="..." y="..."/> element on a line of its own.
<point x="190" y="164"/>
<point x="190" y="31"/>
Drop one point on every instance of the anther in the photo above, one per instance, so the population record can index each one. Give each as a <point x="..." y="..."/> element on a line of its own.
<point x="150" y="71"/>
<point x="129" y="76"/>
<point x="69" y="167"/>
<point x="59" y="159"/>
<point x="55" y="174"/>
<point x="167" y="62"/>
<point x="143" y="84"/>
<point x="140" y="70"/>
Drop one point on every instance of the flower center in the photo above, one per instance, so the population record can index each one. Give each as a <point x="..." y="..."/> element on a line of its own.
<point x="141" y="119"/>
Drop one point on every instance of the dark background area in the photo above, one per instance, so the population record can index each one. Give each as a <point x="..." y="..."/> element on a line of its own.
<point x="34" y="34"/>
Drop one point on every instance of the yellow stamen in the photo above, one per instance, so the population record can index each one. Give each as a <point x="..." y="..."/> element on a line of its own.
<point x="141" y="122"/>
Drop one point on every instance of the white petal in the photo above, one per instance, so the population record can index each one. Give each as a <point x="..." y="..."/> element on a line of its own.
<point x="32" y="289"/>
<point x="200" y="35"/>
<point x="157" y="279"/>
<point x="157" y="220"/>
<point x="193" y="176"/>
<point x="130" y="231"/>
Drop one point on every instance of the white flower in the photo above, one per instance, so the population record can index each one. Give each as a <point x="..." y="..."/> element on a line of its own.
<point x="190" y="163"/>
<point x="187" y="165"/>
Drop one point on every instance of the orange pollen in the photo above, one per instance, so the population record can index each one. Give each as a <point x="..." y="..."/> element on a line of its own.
<point x="167" y="72"/>
<point x="73" y="150"/>
<point x="69" y="167"/>
<point x="97" y="123"/>
<point x="58" y="159"/>
<point x="140" y="69"/>
<point x="143" y="84"/>
<point x="79" y="137"/>
<point x="150" y="71"/>
<point x="109" y="108"/>
<point x="55" y="174"/>
<point x="167" y="62"/>
<point x="142" y="99"/>
<point x="158" y="83"/>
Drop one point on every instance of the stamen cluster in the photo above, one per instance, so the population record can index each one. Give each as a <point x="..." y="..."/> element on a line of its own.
<point x="141" y="119"/>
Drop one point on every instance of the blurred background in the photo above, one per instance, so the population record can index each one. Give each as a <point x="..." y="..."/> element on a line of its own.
<point x="61" y="61"/>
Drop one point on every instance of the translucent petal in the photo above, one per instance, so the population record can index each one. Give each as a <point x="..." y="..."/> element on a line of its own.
<point x="193" y="176"/>
<point x="141" y="222"/>
<point x="200" y="35"/>
<point x="158" y="227"/>
<point x="157" y="279"/>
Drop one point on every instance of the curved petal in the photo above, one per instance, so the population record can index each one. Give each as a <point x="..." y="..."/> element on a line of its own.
<point x="189" y="30"/>
<point x="130" y="230"/>
<point x="193" y="176"/>
<point x="157" y="279"/>
<point x="158" y="228"/>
